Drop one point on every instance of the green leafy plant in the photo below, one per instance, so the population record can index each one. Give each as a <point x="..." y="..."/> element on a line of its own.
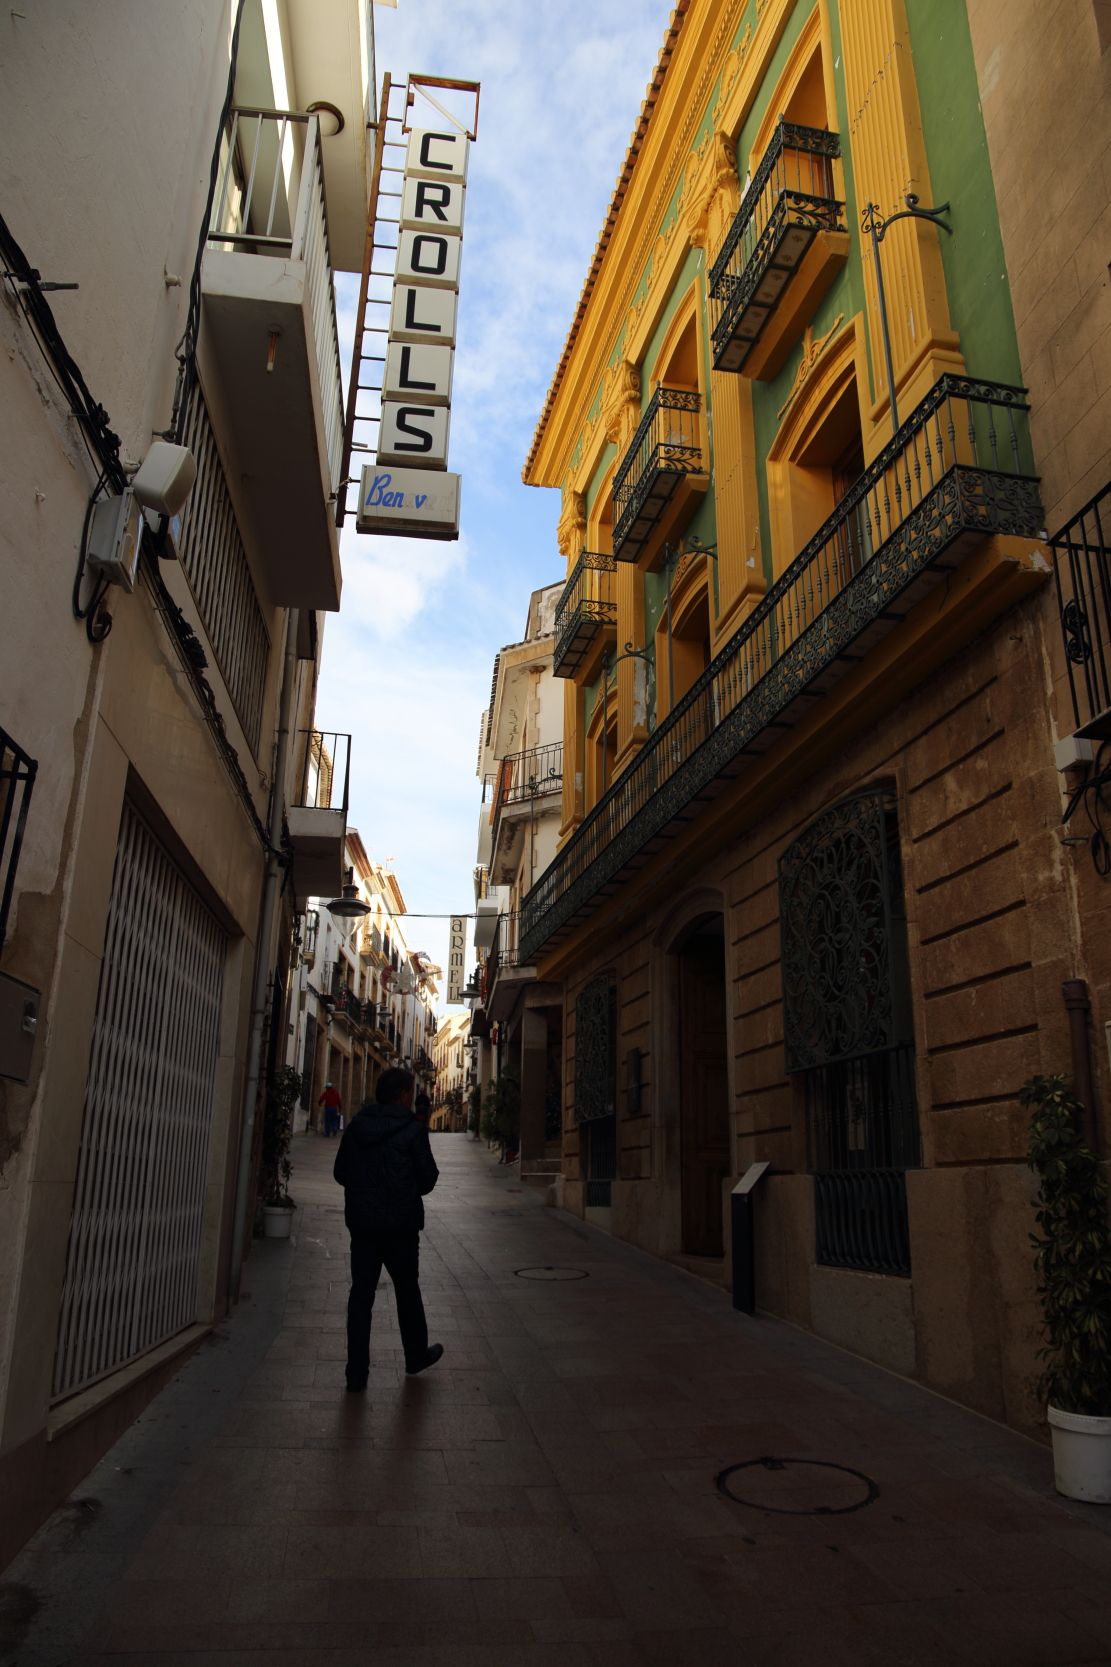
<point x="474" y="1109"/>
<point x="504" y="1095"/>
<point x="283" y="1091"/>
<point x="1072" y="1252"/>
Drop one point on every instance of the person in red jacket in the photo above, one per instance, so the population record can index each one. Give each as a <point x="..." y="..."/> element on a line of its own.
<point x="333" y="1106"/>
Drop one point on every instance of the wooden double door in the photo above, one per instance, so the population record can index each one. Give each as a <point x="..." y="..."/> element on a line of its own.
<point x="703" y="1089"/>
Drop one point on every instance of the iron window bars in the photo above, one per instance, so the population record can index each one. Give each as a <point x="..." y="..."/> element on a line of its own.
<point x="17" y="780"/>
<point x="585" y="608"/>
<point x="847" y="1028"/>
<point x="790" y="200"/>
<point x="958" y="470"/>
<point x="1082" y="569"/>
<point x="666" y="446"/>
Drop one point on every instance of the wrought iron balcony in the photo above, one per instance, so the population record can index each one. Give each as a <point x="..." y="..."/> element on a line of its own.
<point x="1082" y="565"/>
<point x="790" y="200"/>
<point x="271" y="340"/>
<point x="586" y="607"/>
<point x="666" y="448"/>
<point x="957" y="471"/>
<point x="524" y="777"/>
<point x="317" y="819"/>
<point x="503" y="957"/>
<point x="17" y="779"/>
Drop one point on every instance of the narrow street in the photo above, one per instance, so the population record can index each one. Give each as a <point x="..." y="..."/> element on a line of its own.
<point x="547" y="1495"/>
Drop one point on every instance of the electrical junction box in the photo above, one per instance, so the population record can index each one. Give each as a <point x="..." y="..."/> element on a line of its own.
<point x="19" y="1017"/>
<point x="115" y="539"/>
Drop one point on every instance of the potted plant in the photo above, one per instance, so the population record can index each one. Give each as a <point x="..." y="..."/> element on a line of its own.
<point x="474" y="1110"/>
<point x="1073" y="1264"/>
<point x="283" y="1092"/>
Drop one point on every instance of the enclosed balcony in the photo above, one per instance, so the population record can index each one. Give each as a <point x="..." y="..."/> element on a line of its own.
<point x="780" y="254"/>
<point x="584" y="612"/>
<point x="955" y="476"/>
<point x="270" y="348"/>
<point x="524" y="780"/>
<point x="661" y="475"/>
<point x="317" y="821"/>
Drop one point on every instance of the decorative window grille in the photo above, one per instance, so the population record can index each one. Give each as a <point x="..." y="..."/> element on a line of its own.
<point x="142" y="1168"/>
<point x="213" y="558"/>
<point x="847" y="1028"/>
<point x="17" y="778"/>
<point x="596" y="1086"/>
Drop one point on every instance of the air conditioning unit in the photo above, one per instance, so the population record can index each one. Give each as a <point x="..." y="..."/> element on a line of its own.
<point x="116" y="538"/>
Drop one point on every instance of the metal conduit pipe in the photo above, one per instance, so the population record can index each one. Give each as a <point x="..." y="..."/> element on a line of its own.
<point x="271" y="893"/>
<point x="1079" y="1009"/>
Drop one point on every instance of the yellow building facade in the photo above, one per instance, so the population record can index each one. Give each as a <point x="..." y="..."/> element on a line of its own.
<point x="807" y="908"/>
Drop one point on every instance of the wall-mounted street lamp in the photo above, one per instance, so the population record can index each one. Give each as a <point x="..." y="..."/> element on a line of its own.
<point x="348" y="905"/>
<point x="876" y="225"/>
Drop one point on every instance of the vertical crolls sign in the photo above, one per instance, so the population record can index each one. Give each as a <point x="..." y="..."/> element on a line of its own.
<point x="409" y="490"/>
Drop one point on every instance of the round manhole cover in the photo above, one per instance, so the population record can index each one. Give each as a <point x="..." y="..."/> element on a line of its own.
<point x="797" y="1487"/>
<point x="551" y="1273"/>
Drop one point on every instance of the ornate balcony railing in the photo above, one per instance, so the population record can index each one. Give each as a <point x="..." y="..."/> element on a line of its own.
<point x="584" y="610"/>
<point x="524" y="777"/>
<point x="1082" y="566"/>
<point x="666" y="446"/>
<point x="790" y="200"/>
<point x="957" y="471"/>
<point x="17" y="779"/>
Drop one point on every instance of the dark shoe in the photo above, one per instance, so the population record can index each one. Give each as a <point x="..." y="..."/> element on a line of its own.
<point x="356" y="1386"/>
<point x="435" y="1350"/>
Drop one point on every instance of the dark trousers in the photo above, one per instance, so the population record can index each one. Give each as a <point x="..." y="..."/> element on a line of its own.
<point x="399" y="1253"/>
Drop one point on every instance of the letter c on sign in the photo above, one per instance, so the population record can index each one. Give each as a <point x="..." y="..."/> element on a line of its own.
<point x="428" y="161"/>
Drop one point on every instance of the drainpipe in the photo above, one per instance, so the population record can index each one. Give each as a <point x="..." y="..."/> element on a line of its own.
<point x="1079" y="1009"/>
<point x="271" y="893"/>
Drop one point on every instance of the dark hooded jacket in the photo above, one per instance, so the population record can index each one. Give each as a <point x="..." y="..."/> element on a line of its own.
<point x="385" y="1167"/>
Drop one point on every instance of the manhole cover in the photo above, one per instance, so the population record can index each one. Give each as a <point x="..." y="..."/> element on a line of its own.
<point x="551" y="1273"/>
<point x="797" y="1487"/>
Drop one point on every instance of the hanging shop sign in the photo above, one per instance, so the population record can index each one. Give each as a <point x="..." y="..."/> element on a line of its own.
<point x="409" y="489"/>
<point x="456" y="957"/>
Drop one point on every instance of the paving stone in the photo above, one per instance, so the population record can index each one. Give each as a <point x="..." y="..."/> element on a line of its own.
<point x="546" y="1496"/>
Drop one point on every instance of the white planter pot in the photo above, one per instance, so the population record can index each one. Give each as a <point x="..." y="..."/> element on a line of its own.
<point x="277" y="1222"/>
<point x="1081" y="1456"/>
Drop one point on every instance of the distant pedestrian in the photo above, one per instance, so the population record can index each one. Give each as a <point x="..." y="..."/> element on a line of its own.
<point x="333" y="1106"/>
<point x="422" y="1108"/>
<point x="385" y="1167"/>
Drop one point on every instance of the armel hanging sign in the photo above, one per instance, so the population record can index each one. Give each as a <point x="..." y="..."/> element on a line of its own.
<point x="409" y="490"/>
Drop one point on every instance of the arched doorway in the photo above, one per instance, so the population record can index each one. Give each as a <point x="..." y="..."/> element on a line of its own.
<point x="703" y="1085"/>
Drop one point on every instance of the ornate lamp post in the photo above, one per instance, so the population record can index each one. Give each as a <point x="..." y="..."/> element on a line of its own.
<point x="876" y="225"/>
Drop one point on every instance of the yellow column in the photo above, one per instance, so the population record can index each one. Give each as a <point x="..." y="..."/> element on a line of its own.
<point x="888" y="160"/>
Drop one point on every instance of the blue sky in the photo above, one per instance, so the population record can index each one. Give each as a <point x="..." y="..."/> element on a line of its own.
<point x="407" y="662"/>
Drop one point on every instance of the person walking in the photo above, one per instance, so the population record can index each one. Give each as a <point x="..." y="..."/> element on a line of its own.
<point x="332" y="1102"/>
<point x="386" y="1169"/>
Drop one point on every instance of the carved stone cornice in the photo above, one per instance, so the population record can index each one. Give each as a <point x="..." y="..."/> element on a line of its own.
<point x="571" y="526"/>
<point x="714" y="192"/>
<point x="621" y="401"/>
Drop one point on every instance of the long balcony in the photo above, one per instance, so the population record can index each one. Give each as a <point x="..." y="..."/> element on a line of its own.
<point x="270" y="344"/>
<point x="1082" y="565"/>
<point x="662" y="471"/>
<point x="317" y="821"/>
<point x="956" y="473"/>
<point x="584" y="611"/>
<point x="765" y="269"/>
